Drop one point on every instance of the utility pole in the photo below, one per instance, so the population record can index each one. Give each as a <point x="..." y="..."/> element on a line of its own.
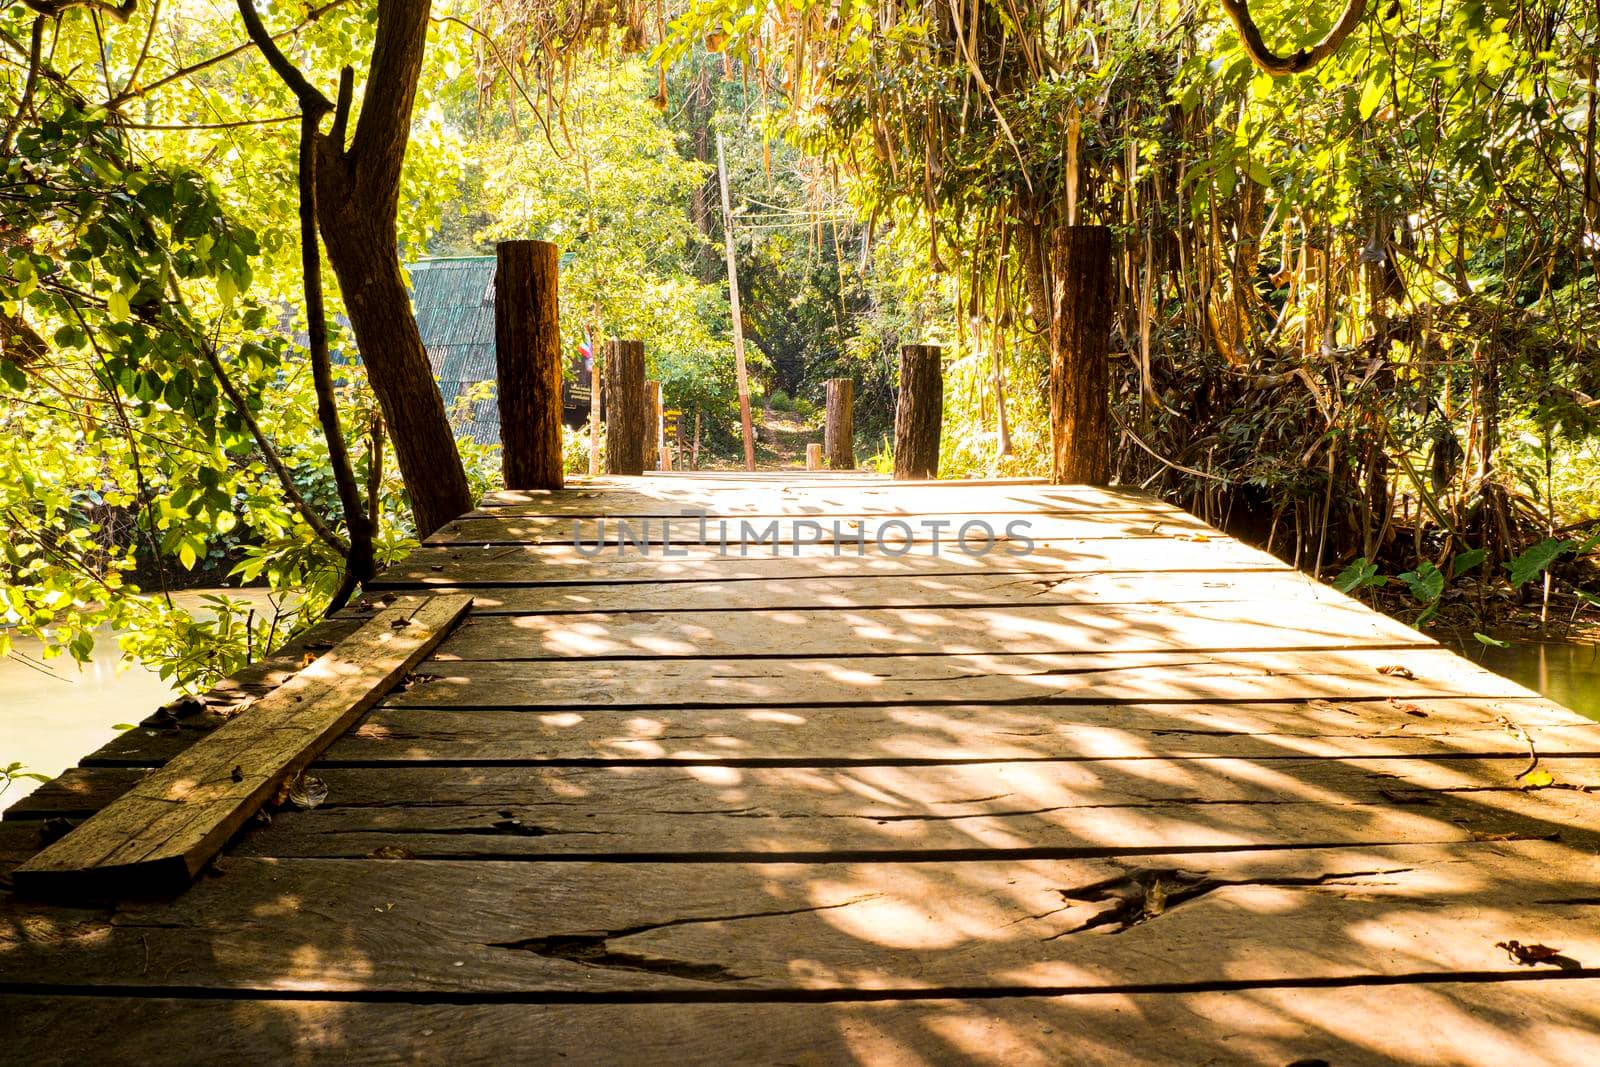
<point x="738" y="321"/>
<point x="594" y="395"/>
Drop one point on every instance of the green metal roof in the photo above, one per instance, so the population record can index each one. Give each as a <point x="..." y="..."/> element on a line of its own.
<point x="453" y="298"/>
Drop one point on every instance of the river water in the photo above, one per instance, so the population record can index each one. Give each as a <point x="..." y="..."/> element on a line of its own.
<point x="53" y="712"/>
<point x="1567" y="672"/>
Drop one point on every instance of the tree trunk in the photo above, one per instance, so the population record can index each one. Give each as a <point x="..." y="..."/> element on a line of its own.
<point x="1080" y="377"/>
<point x="919" y="413"/>
<point x="625" y="407"/>
<point x="358" y="194"/>
<point x="839" y="430"/>
<point x="527" y="341"/>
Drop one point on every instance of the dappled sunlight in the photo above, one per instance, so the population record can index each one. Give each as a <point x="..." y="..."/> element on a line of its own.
<point x="807" y="776"/>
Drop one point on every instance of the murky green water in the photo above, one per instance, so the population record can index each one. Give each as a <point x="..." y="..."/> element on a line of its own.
<point x="1565" y="671"/>
<point x="53" y="712"/>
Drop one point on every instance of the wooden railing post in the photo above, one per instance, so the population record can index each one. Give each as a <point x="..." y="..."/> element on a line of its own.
<point x="527" y="339"/>
<point x="839" y="430"/>
<point x="1080" y="375"/>
<point x="625" y="407"/>
<point x="652" y="425"/>
<point x="813" y="456"/>
<point x="919" y="413"/>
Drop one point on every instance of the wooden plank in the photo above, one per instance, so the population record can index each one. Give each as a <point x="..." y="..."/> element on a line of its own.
<point x="159" y="834"/>
<point x="1014" y="629"/>
<point x="936" y="734"/>
<point x="474" y="928"/>
<point x="1051" y="805"/>
<point x="1535" y="1017"/>
<point x="829" y="500"/>
<point x="1099" y="807"/>
<point x="670" y="485"/>
<point x="1015" y="529"/>
<point x="1094" y="678"/>
<point x="556" y="563"/>
<point x="888" y="734"/>
<point x="949" y="591"/>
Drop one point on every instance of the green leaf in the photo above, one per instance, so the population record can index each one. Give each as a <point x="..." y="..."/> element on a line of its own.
<point x="117" y="306"/>
<point x="1535" y="560"/>
<point x="1466" y="561"/>
<point x="1426" y="582"/>
<point x="1492" y="642"/>
<point x="12" y="375"/>
<point x="1359" y="575"/>
<point x="1372" y="94"/>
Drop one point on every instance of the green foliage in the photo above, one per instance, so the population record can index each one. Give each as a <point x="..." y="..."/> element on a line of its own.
<point x="1360" y="574"/>
<point x="148" y="248"/>
<point x="1535" y="560"/>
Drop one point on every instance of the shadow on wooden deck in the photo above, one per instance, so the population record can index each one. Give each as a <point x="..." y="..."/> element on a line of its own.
<point x="1142" y="795"/>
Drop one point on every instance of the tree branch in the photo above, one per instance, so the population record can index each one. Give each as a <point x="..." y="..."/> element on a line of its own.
<point x="384" y="126"/>
<point x="129" y="92"/>
<point x="312" y="102"/>
<point x="56" y="8"/>
<point x="35" y="59"/>
<point x="1301" y="61"/>
<point x="359" y="561"/>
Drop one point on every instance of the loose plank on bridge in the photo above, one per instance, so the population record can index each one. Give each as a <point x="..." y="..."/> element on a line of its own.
<point x="160" y="833"/>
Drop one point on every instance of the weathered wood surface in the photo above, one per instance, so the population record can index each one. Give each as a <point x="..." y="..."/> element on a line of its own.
<point x="663" y="495"/>
<point x="1015" y="629"/>
<point x="547" y="564"/>
<point x="1102" y="806"/>
<point x="464" y="927"/>
<point x="1268" y="591"/>
<point x="938" y="679"/>
<point x="161" y="832"/>
<point x="983" y="531"/>
<point x="897" y="735"/>
<point x="1215" y="811"/>
<point x="1108" y="807"/>
<point x="1544" y="1019"/>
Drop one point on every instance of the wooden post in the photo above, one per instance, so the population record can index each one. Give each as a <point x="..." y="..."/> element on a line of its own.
<point x="652" y="426"/>
<point x="527" y="341"/>
<point x="813" y="456"/>
<point x="594" y="410"/>
<point x="919" y="413"/>
<point x="1080" y="375"/>
<point x="696" y="461"/>
<point x="625" y="407"/>
<point x="839" y="430"/>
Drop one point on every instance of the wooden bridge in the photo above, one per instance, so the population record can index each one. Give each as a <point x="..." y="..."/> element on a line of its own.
<point x="1117" y="790"/>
